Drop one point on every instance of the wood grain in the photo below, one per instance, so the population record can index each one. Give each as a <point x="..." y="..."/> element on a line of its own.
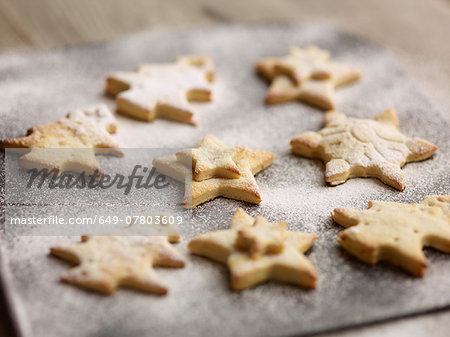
<point x="415" y="30"/>
<point x="50" y="23"/>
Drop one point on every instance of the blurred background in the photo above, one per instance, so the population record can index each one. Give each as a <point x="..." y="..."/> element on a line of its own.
<point x="415" y="31"/>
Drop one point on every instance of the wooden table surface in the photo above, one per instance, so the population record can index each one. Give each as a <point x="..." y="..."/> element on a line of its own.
<point x="415" y="31"/>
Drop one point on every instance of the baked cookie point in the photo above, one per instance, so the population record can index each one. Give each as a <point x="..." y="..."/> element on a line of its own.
<point x="420" y="149"/>
<point x="388" y="116"/>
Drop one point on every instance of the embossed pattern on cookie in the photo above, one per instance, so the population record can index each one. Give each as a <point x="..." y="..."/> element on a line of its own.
<point x="352" y="147"/>
<point x="396" y="232"/>
<point x="256" y="251"/>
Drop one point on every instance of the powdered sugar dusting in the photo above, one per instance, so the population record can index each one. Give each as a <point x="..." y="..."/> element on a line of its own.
<point x="42" y="87"/>
<point x="167" y="83"/>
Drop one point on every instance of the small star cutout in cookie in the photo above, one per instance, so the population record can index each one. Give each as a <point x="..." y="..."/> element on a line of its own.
<point x="163" y="90"/>
<point x="212" y="159"/>
<point x="396" y="232"/>
<point x="69" y="144"/>
<point x="306" y="75"/>
<point x="256" y="251"/>
<point x="352" y="147"/>
<point x="244" y="187"/>
<point x="106" y="262"/>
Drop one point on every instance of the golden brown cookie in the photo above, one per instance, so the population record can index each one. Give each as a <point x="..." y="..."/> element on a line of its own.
<point x="256" y="251"/>
<point x="219" y="160"/>
<point x="352" y="147"/>
<point x="396" y="232"/>
<point x="106" y="262"/>
<point x="83" y="133"/>
<point x="307" y="75"/>
<point x="163" y="90"/>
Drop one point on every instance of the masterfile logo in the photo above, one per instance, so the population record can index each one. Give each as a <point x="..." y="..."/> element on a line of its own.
<point x="140" y="177"/>
<point x="127" y="193"/>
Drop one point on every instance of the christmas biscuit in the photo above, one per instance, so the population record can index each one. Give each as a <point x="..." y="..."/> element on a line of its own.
<point x="352" y="147"/>
<point x="307" y="75"/>
<point x="82" y="134"/>
<point x="163" y="90"/>
<point x="105" y="262"/>
<point x="256" y="251"/>
<point x="214" y="169"/>
<point x="396" y="232"/>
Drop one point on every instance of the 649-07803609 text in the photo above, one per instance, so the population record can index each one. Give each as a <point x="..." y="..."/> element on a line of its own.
<point x="99" y="219"/>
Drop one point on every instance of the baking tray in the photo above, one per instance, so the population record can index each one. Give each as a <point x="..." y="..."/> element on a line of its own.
<point x="41" y="87"/>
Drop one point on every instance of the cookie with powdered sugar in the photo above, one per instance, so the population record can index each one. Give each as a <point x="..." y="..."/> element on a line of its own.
<point x="305" y="74"/>
<point x="352" y="147"/>
<point x="163" y="90"/>
<point x="396" y="232"/>
<point x="256" y="251"/>
<point x="106" y="262"/>
<point x="69" y="144"/>
<point x="213" y="169"/>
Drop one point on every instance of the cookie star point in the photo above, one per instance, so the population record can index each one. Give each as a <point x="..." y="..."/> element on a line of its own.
<point x="278" y="256"/>
<point x="352" y="147"/>
<point x="388" y="116"/>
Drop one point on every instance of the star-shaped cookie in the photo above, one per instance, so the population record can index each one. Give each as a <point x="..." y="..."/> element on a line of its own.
<point x="163" y="90"/>
<point x="352" y="147"/>
<point x="256" y="251"/>
<point x="106" y="262"/>
<point x="305" y="74"/>
<point x="396" y="232"/>
<point x="212" y="159"/>
<point x="69" y="144"/>
<point x="244" y="187"/>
